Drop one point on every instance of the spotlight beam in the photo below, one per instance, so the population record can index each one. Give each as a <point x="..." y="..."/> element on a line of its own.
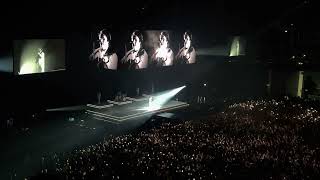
<point x="157" y="101"/>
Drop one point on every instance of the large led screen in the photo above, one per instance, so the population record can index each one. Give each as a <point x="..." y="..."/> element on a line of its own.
<point x="141" y="49"/>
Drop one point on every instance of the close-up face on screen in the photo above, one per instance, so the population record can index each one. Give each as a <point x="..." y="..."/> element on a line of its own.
<point x="135" y="55"/>
<point x="39" y="56"/>
<point x="159" y="46"/>
<point x="169" y="48"/>
<point x="103" y="54"/>
<point x="138" y="49"/>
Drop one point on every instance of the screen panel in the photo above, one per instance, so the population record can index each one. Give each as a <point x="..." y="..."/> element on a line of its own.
<point x="38" y="56"/>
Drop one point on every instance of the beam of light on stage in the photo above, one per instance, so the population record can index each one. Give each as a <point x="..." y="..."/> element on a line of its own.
<point x="64" y="109"/>
<point x="141" y="107"/>
<point x="158" y="100"/>
<point x="28" y="68"/>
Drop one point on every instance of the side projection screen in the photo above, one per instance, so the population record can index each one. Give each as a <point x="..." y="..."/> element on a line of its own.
<point x="38" y="56"/>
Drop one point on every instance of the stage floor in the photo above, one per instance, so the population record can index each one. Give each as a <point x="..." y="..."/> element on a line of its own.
<point x="130" y="110"/>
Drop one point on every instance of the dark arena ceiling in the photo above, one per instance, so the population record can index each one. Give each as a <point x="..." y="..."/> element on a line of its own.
<point x="221" y="15"/>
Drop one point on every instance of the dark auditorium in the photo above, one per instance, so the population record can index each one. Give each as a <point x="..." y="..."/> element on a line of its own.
<point x="167" y="89"/>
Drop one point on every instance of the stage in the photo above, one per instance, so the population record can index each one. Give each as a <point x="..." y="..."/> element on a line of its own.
<point x="133" y="108"/>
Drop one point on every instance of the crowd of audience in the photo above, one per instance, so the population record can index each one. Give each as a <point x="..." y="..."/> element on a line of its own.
<point x="257" y="139"/>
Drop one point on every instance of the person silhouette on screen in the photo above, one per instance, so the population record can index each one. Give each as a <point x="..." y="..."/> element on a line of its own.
<point x="187" y="54"/>
<point x="104" y="56"/>
<point x="40" y="60"/>
<point x="137" y="57"/>
<point x="163" y="56"/>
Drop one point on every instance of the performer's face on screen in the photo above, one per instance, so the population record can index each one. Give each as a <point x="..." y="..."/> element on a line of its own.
<point x="136" y="43"/>
<point x="164" y="42"/>
<point x="104" y="42"/>
<point x="187" y="42"/>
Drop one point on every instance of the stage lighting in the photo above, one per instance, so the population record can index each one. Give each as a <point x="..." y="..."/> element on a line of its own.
<point x="237" y="46"/>
<point x="27" y="68"/>
<point x="157" y="101"/>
